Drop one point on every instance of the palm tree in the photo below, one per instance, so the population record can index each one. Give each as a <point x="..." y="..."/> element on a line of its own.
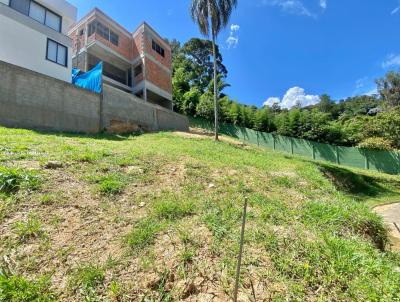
<point x="218" y="12"/>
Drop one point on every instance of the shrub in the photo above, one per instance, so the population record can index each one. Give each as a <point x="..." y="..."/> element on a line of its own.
<point x="377" y="143"/>
<point x="111" y="184"/>
<point x="87" y="277"/>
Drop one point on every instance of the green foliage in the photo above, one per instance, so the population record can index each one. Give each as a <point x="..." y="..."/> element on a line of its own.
<point x="87" y="277"/>
<point x="15" y="288"/>
<point x="389" y="88"/>
<point x="143" y="234"/>
<point x="377" y="143"/>
<point x="173" y="208"/>
<point x="11" y="180"/>
<point x="112" y="184"/>
<point x="29" y="228"/>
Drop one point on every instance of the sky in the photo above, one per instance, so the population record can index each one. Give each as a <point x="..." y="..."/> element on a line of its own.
<point x="285" y="51"/>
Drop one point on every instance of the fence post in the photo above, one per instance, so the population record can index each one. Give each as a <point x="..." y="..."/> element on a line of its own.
<point x="291" y="145"/>
<point x="258" y="142"/>
<point x="274" y="142"/>
<point x="366" y="160"/>
<point x="313" y="152"/>
<point x="337" y="155"/>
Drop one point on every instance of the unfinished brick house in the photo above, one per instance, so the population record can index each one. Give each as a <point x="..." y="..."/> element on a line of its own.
<point x="138" y="62"/>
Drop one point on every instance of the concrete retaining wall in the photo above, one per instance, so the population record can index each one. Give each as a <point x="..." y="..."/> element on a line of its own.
<point x="124" y="110"/>
<point x="31" y="100"/>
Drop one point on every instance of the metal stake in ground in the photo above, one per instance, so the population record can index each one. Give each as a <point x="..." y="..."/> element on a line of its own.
<point x="235" y="294"/>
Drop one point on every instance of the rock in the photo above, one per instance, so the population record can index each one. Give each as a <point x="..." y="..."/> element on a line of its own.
<point x="211" y="186"/>
<point x="141" y="205"/>
<point x="53" y="165"/>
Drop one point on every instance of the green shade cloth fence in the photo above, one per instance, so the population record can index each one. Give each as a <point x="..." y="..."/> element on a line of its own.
<point x="382" y="161"/>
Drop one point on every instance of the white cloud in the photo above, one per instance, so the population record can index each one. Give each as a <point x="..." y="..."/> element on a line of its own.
<point x="323" y="3"/>
<point x="392" y="60"/>
<point x="290" y="6"/>
<point x="233" y="39"/>
<point x="293" y="97"/>
<point x="360" y="83"/>
<point x="235" y="27"/>
<point x="396" y="10"/>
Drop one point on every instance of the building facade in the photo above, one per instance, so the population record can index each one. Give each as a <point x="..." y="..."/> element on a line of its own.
<point x="34" y="35"/>
<point x="137" y="63"/>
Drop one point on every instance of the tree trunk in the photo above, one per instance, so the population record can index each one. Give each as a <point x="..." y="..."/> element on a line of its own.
<point x="216" y="128"/>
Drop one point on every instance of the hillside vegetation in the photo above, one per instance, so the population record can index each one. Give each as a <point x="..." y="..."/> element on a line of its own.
<point x="157" y="218"/>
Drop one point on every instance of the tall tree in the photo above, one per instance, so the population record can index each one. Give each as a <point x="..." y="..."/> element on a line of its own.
<point x="389" y="89"/>
<point x="212" y="15"/>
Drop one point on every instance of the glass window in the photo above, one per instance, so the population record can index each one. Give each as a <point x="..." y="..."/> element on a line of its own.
<point x="62" y="55"/>
<point x="57" y="53"/>
<point x="37" y="12"/>
<point x="103" y="31"/>
<point x="114" y="39"/>
<point x="53" y="21"/>
<point x="92" y="28"/>
<point x="20" y="5"/>
<point x="52" y="50"/>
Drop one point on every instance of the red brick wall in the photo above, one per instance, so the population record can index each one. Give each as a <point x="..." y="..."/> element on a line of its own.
<point x="166" y="60"/>
<point x="124" y="47"/>
<point x="158" y="76"/>
<point x="137" y="47"/>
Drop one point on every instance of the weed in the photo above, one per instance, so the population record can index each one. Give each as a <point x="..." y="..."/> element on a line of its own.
<point x="112" y="184"/>
<point x="173" y="208"/>
<point x="87" y="277"/>
<point x="143" y="234"/>
<point x="114" y="291"/>
<point x="17" y="288"/>
<point x="11" y="180"/>
<point x="29" y="228"/>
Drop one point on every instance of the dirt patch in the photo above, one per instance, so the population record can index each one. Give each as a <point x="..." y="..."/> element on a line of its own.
<point x="391" y="216"/>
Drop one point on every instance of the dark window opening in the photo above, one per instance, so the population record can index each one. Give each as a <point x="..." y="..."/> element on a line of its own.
<point x="103" y="31"/>
<point x="81" y="32"/>
<point x="57" y="53"/>
<point x="138" y="70"/>
<point x="157" y="48"/>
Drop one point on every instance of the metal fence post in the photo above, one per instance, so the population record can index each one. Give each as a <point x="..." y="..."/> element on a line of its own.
<point x="274" y="142"/>
<point x="291" y="145"/>
<point x="366" y="161"/>
<point x="258" y="142"/>
<point x="337" y="155"/>
<point x="313" y="152"/>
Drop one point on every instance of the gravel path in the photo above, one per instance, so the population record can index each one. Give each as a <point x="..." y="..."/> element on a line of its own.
<point x="391" y="216"/>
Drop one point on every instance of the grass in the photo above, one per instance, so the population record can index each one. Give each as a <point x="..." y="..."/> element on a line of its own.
<point x="29" y="228"/>
<point x="12" y="180"/>
<point x="161" y="215"/>
<point x="19" y="289"/>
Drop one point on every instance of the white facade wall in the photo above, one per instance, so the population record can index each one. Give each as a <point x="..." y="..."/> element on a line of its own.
<point x="6" y="2"/>
<point x="67" y="11"/>
<point x="23" y="46"/>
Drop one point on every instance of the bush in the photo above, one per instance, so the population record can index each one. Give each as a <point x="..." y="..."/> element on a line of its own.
<point x="377" y="143"/>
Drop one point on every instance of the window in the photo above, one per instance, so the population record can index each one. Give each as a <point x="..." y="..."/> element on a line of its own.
<point x="81" y="32"/>
<point x="53" y="21"/>
<point x="20" y="5"/>
<point x="38" y="13"/>
<point x="114" y="39"/>
<point x="138" y="70"/>
<point x="103" y="31"/>
<point x="57" y="53"/>
<point x="157" y="48"/>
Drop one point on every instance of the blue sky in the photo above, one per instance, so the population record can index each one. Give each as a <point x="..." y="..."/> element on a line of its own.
<point x="285" y="50"/>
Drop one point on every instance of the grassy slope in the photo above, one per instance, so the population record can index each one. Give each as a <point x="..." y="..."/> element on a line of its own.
<point x="158" y="217"/>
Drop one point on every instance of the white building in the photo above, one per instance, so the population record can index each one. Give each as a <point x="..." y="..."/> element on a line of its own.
<point x="34" y="35"/>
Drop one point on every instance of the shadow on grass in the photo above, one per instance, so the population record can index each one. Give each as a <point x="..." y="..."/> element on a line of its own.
<point x="359" y="186"/>
<point x="99" y="136"/>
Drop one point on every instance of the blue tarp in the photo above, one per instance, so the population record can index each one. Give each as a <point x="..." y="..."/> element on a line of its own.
<point x="90" y="80"/>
